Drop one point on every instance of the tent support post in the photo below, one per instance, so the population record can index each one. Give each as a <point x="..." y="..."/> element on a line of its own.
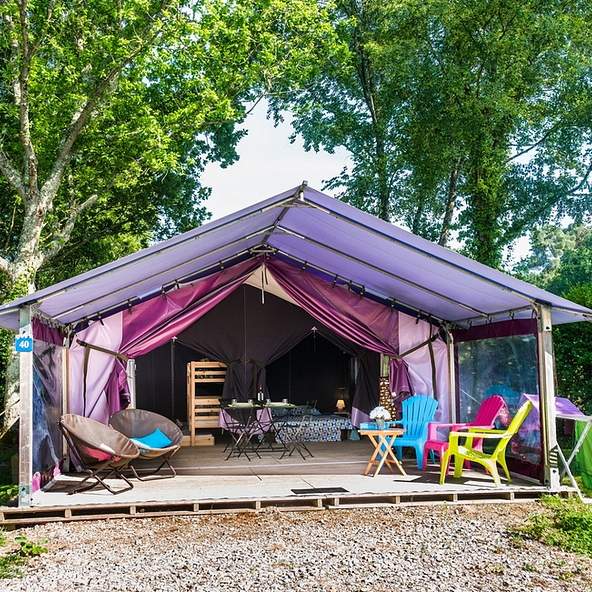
<point x="452" y="410"/>
<point x="547" y="396"/>
<point x="131" y="381"/>
<point x="25" y="414"/>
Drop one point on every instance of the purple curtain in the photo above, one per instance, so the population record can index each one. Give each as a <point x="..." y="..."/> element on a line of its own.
<point x="158" y="320"/>
<point x="360" y="320"/>
<point x="44" y="332"/>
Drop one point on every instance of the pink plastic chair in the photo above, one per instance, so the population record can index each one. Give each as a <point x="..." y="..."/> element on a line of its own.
<point x="486" y="416"/>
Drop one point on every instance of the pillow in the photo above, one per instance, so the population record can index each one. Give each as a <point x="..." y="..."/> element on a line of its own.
<point x="154" y="440"/>
<point x="93" y="453"/>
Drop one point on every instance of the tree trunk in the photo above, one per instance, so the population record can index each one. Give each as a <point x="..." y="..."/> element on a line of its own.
<point x="451" y="202"/>
<point x="382" y="174"/>
<point x="484" y="212"/>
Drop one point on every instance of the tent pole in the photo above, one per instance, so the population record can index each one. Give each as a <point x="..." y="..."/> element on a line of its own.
<point x="131" y="381"/>
<point x="452" y="410"/>
<point x="25" y="413"/>
<point x="547" y="396"/>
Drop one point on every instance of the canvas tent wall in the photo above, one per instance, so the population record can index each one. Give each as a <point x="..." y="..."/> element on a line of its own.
<point x="188" y="315"/>
<point x="363" y="278"/>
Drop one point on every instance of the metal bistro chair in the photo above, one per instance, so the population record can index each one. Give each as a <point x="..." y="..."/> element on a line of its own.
<point x="291" y="434"/>
<point x="243" y="425"/>
<point x="96" y="448"/>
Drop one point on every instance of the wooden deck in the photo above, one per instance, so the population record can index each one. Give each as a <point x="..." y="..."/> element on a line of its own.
<point x="207" y="483"/>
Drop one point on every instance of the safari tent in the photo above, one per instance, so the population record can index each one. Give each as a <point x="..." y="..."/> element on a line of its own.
<point x="296" y="283"/>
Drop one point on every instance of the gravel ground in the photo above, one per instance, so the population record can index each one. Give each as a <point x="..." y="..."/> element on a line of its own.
<point x="434" y="548"/>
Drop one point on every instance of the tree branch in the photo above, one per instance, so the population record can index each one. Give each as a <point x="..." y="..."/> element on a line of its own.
<point x="64" y="234"/>
<point x="54" y="179"/>
<point x="545" y="137"/>
<point x="5" y="266"/>
<point x="12" y="175"/>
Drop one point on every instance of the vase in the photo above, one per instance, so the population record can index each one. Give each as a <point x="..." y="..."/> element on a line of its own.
<point x="379" y="423"/>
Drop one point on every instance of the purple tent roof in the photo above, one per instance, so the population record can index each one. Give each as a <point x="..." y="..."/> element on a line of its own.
<point x="320" y="234"/>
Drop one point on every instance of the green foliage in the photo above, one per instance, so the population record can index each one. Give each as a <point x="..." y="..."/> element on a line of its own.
<point x="567" y="524"/>
<point x="119" y="107"/>
<point x="467" y="116"/>
<point x="561" y="262"/>
<point x="8" y="493"/>
<point x="10" y="563"/>
<point x="29" y="548"/>
<point x="9" y="566"/>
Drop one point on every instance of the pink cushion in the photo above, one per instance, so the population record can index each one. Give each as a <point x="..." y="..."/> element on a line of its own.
<point x="98" y="455"/>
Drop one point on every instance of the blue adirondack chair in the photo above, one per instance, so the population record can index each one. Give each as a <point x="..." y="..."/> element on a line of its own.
<point x="418" y="411"/>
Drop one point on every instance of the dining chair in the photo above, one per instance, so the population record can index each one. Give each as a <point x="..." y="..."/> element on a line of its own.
<point x="485" y="418"/>
<point x="244" y="425"/>
<point x="291" y="434"/>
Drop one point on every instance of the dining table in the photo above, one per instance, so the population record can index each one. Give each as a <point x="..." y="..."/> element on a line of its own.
<point x="246" y="420"/>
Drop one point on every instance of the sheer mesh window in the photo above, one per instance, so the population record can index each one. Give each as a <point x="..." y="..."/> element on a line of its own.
<point x="505" y="366"/>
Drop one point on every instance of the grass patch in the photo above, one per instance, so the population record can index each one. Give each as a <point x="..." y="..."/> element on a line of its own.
<point x="564" y="523"/>
<point x="11" y="563"/>
<point x="10" y="566"/>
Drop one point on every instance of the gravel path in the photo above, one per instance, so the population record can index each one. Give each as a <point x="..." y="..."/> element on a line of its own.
<point x="429" y="549"/>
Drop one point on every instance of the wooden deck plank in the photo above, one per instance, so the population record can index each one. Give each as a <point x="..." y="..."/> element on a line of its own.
<point x="206" y="483"/>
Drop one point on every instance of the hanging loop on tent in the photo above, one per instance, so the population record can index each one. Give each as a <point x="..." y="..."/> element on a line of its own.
<point x="100" y="319"/>
<point x="335" y="281"/>
<point x="163" y="293"/>
<point x="222" y="267"/>
<point x="303" y="267"/>
<point x="362" y="291"/>
<point x="177" y="285"/>
<point x="393" y="302"/>
<point x="129" y="306"/>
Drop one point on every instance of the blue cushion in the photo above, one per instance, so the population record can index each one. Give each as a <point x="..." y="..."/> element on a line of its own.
<point x="154" y="440"/>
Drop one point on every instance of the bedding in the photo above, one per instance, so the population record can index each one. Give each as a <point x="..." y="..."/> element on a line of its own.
<point x="317" y="427"/>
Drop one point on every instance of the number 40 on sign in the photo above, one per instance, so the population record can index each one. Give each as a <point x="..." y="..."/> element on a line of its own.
<point x="23" y="343"/>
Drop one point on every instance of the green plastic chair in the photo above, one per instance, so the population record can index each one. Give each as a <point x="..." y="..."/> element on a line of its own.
<point x="465" y="451"/>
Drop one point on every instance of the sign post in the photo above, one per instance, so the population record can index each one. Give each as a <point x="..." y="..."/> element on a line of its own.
<point x="24" y="345"/>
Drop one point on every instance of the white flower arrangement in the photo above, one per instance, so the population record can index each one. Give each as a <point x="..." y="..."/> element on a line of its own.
<point x="380" y="413"/>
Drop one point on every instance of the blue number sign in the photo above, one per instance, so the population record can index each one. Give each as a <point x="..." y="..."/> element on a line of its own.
<point x="23" y="343"/>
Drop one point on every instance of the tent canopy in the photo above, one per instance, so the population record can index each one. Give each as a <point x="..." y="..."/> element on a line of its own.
<point x="320" y="235"/>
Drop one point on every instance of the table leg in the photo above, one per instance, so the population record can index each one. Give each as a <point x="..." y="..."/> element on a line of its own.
<point x="380" y="456"/>
<point x="372" y="460"/>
